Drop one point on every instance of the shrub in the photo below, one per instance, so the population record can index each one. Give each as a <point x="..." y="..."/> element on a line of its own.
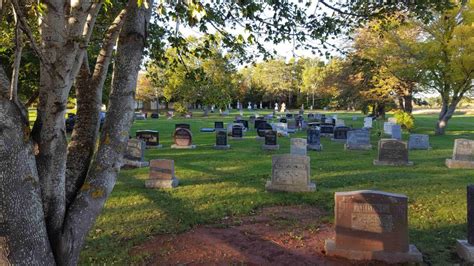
<point x="406" y="120"/>
<point x="180" y="108"/>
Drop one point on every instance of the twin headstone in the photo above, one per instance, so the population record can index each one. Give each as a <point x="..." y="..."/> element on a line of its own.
<point x="463" y="154"/>
<point x="372" y="225"/>
<point x="161" y="174"/>
<point x="392" y="152"/>
<point x="290" y="173"/>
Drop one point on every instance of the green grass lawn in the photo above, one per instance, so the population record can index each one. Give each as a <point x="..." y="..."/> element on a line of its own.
<point x="215" y="183"/>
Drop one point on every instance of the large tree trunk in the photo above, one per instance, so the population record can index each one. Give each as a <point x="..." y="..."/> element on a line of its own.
<point x="23" y="236"/>
<point x="104" y="169"/>
<point x="408" y="100"/>
<point x="446" y="113"/>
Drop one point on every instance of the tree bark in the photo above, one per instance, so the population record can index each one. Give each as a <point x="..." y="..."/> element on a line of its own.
<point x="23" y="236"/>
<point x="104" y="169"/>
<point x="445" y="115"/>
<point x="408" y="99"/>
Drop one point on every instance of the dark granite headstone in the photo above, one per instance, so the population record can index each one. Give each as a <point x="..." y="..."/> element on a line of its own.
<point x="258" y="123"/>
<point x="183" y="125"/>
<point x="218" y="125"/>
<point x="262" y="128"/>
<point x="392" y="152"/>
<point x="151" y="137"/>
<point x="313" y="136"/>
<point x="270" y="138"/>
<point x="155" y="115"/>
<point x="289" y="115"/>
<point x="340" y="133"/>
<point x="283" y="120"/>
<point x="237" y="131"/>
<point x="327" y="130"/>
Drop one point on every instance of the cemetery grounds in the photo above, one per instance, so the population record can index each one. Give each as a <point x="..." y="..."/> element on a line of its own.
<point x="221" y="190"/>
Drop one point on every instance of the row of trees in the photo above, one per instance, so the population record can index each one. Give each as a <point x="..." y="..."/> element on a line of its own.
<point x="390" y="61"/>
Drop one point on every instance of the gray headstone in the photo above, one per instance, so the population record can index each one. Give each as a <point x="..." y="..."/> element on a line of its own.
<point x="396" y="132"/>
<point x="387" y="127"/>
<point x="298" y="146"/>
<point x="290" y="173"/>
<point x="419" y="142"/>
<point x="463" y="150"/>
<point x="135" y="150"/>
<point x="358" y="140"/>
<point x="368" y="122"/>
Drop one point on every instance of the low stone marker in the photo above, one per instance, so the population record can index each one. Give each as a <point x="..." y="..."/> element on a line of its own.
<point x="271" y="140"/>
<point x="465" y="248"/>
<point x="298" y="146"/>
<point x="221" y="140"/>
<point x="396" y="132"/>
<point x="372" y="225"/>
<point x="161" y="174"/>
<point x="392" y="152"/>
<point x="135" y="154"/>
<point x="183" y="139"/>
<point x="151" y="138"/>
<point x="313" y="139"/>
<point x="237" y="132"/>
<point x="290" y="173"/>
<point x="358" y="140"/>
<point x="340" y="134"/>
<point x="463" y="154"/>
<point x="368" y="122"/>
<point x="419" y="142"/>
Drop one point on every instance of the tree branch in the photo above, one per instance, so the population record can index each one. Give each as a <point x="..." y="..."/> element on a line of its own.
<point x="17" y="60"/>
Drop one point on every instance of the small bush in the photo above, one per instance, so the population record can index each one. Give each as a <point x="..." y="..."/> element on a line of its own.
<point x="406" y="120"/>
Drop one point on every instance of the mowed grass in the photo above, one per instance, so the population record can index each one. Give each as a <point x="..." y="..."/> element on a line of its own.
<point x="215" y="184"/>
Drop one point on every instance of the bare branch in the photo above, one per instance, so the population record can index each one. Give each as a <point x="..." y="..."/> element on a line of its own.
<point x="17" y="61"/>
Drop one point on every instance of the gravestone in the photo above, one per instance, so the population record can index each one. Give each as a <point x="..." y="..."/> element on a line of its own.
<point x="237" y="131"/>
<point x="245" y="123"/>
<point x="392" y="152"/>
<point x="372" y="225"/>
<point x="139" y="116"/>
<point x="463" y="154"/>
<point x="182" y="125"/>
<point x="252" y="119"/>
<point x="221" y="140"/>
<point x="161" y="174"/>
<point x="313" y="139"/>
<point x="289" y="116"/>
<point x="368" y="122"/>
<point x="396" y="132"/>
<point x="151" y="138"/>
<point x="258" y="122"/>
<point x="271" y="140"/>
<point x="291" y="126"/>
<point x="314" y="124"/>
<point x="358" y="140"/>
<point x="340" y="134"/>
<point x="329" y="121"/>
<point x="327" y="130"/>
<point x="283" y="120"/>
<point x="465" y="248"/>
<point x="135" y="154"/>
<point x="387" y="127"/>
<point x="298" y="146"/>
<point x="419" y="142"/>
<point x="290" y="173"/>
<point x="340" y="123"/>
<point x="155" y="115"/>
<point x="263" y="127"/>
<point x="218" y="125"/>
<point x="310" y="116"/>
<point x="183" y="139"/>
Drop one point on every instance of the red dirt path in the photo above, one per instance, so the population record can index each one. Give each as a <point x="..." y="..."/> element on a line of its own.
<point x="274" y="236"/>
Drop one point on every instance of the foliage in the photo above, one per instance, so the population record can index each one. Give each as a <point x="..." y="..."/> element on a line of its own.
<point x="180" y="108"/>
<point x="406" y="120"/>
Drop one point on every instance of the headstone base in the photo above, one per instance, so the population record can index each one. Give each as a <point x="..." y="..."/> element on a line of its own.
<point x="237" y="138"/>
<point x="161" y="183"/>
<point x="154" y="146"/>
<point x="269" y="186"/>
<point x="465" y="250"/>
<point x="221" y="147"/>
<point x="339" y="140"/>
<point x="450" y="163"/>
<point x="357" y="147"/>
<point x="413" y="255"/>
<point x="134" y="164"/>
<point x="315" y="147"/>
<point x="270" y="147"/>
<point x="174" y="146"/>
<point x="387" y="163"/>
